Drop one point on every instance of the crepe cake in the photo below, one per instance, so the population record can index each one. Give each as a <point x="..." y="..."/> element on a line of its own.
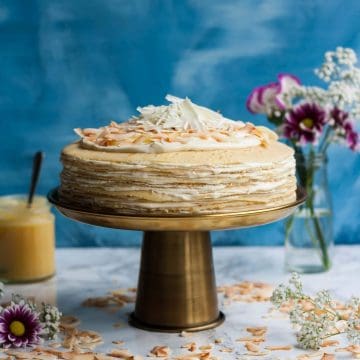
<point x="179" y="158"/>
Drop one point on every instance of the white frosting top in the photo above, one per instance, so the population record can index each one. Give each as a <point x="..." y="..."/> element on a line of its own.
<point x="179" y="126"/>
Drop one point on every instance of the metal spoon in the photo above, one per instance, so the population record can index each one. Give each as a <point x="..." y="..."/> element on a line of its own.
<point x="38" y="158"/>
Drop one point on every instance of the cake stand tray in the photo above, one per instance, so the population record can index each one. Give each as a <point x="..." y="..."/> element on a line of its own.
<point x="176" y="288"/>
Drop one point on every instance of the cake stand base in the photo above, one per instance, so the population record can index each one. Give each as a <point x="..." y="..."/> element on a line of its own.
<point x="133" y="321"/>
<point x="176" y="287"/>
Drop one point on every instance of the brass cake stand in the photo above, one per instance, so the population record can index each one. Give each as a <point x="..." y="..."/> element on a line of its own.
<point x="176" y="287"/>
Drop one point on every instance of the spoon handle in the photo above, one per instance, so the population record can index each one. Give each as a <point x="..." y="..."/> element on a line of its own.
<point x="38" y="158"/>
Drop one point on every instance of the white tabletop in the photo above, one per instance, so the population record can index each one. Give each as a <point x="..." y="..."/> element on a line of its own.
<point x="84" y="273"/>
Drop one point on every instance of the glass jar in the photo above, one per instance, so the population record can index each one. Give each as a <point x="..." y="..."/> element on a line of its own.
<point x="27" y="240"/>
<point x="309" y="236"/>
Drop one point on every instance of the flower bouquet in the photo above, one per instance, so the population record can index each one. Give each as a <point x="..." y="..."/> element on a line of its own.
<point x="318" y="318"/>
<point x="312" y="118"/>
<point x="25" y="324"/>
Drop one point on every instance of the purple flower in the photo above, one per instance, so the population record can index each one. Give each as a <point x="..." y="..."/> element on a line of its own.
<point x="19" y="326"/>
<point x="304" y="123"/>
<point x="351" y="136"/>
<point x="266" y="98"/>
<point x="339" y="117"/>
<point x="345" y="128"/>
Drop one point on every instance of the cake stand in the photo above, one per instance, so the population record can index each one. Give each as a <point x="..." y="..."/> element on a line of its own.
<point x="176" y="288"/>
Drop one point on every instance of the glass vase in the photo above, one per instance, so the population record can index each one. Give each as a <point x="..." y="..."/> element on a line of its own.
<point x="309" y="231"/>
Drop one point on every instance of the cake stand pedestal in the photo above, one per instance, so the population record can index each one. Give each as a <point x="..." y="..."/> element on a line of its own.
<point x="176" y="288"/>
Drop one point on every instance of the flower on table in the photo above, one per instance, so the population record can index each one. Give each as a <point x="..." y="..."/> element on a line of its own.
<point x="353" y="332"/>
<point x="23" y="323"/>
<point x="317" y="318"/>
<point x="50" y="317"/>
<point x="304" y="123"/>
<point x="19" y="326"/>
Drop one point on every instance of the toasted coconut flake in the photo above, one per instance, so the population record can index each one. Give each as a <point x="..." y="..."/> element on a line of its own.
<point x="69" y="322"/>
<point x="279" y="348"/>
<point x="160" y="351"/>
<point x="206" y="347"/>
<point x="246" y="291"/>
<point x="118" y="342"/>
<point x="328" y="357"/>
<point x="260" y="353"/>
<point x="251" y="347"/>
<point x="102" y="301"/>
<point x="82" y="339"/>
<point x="257" y="331"/>
<point x="354" y="349"/>
<point x="195" y="356"/>
<point x="115" y="299"/>
<point x="327" y="343"/>
<point x="189" y="346"/>
<point x="121" y="354"/>
<point x="255" y="339"/>
<point x="309" y="355"/>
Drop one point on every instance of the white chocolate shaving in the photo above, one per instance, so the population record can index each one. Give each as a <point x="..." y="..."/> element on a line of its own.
<point x="179" y="126"/>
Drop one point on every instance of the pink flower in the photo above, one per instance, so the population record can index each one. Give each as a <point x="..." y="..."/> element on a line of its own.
<point x="286" y="82"/>
<point x="267" y="98"/>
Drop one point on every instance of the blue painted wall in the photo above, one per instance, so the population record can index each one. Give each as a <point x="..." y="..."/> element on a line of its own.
<point x="65" y="64"/>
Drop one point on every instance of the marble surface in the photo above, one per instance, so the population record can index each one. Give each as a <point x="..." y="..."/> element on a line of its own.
<point x="84" y="273"/>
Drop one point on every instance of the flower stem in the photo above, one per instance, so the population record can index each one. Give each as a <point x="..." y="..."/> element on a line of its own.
<point x="310" y="205"/>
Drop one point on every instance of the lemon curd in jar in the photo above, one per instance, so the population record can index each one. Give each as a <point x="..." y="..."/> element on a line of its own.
<point x="27" y="240"/>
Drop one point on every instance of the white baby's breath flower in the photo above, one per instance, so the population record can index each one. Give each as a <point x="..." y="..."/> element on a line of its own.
<point x="342" y="76"/>
<point x="17" y="299"/>
<point x="297" y="315"/>
<point x="285" y="293"/>
<point x="354" y="302"/>
<point x="296" y="283"/>
<point x="50" y="319"/>
<point x="314" y="330"/>
<point x="322" y="299"/>
<point x="310" y="335"/>
<point x="317" y="318"/>
<point x="20" y="300"/>
<point x="279" y="295"/>
<point x="353" y="330"/>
